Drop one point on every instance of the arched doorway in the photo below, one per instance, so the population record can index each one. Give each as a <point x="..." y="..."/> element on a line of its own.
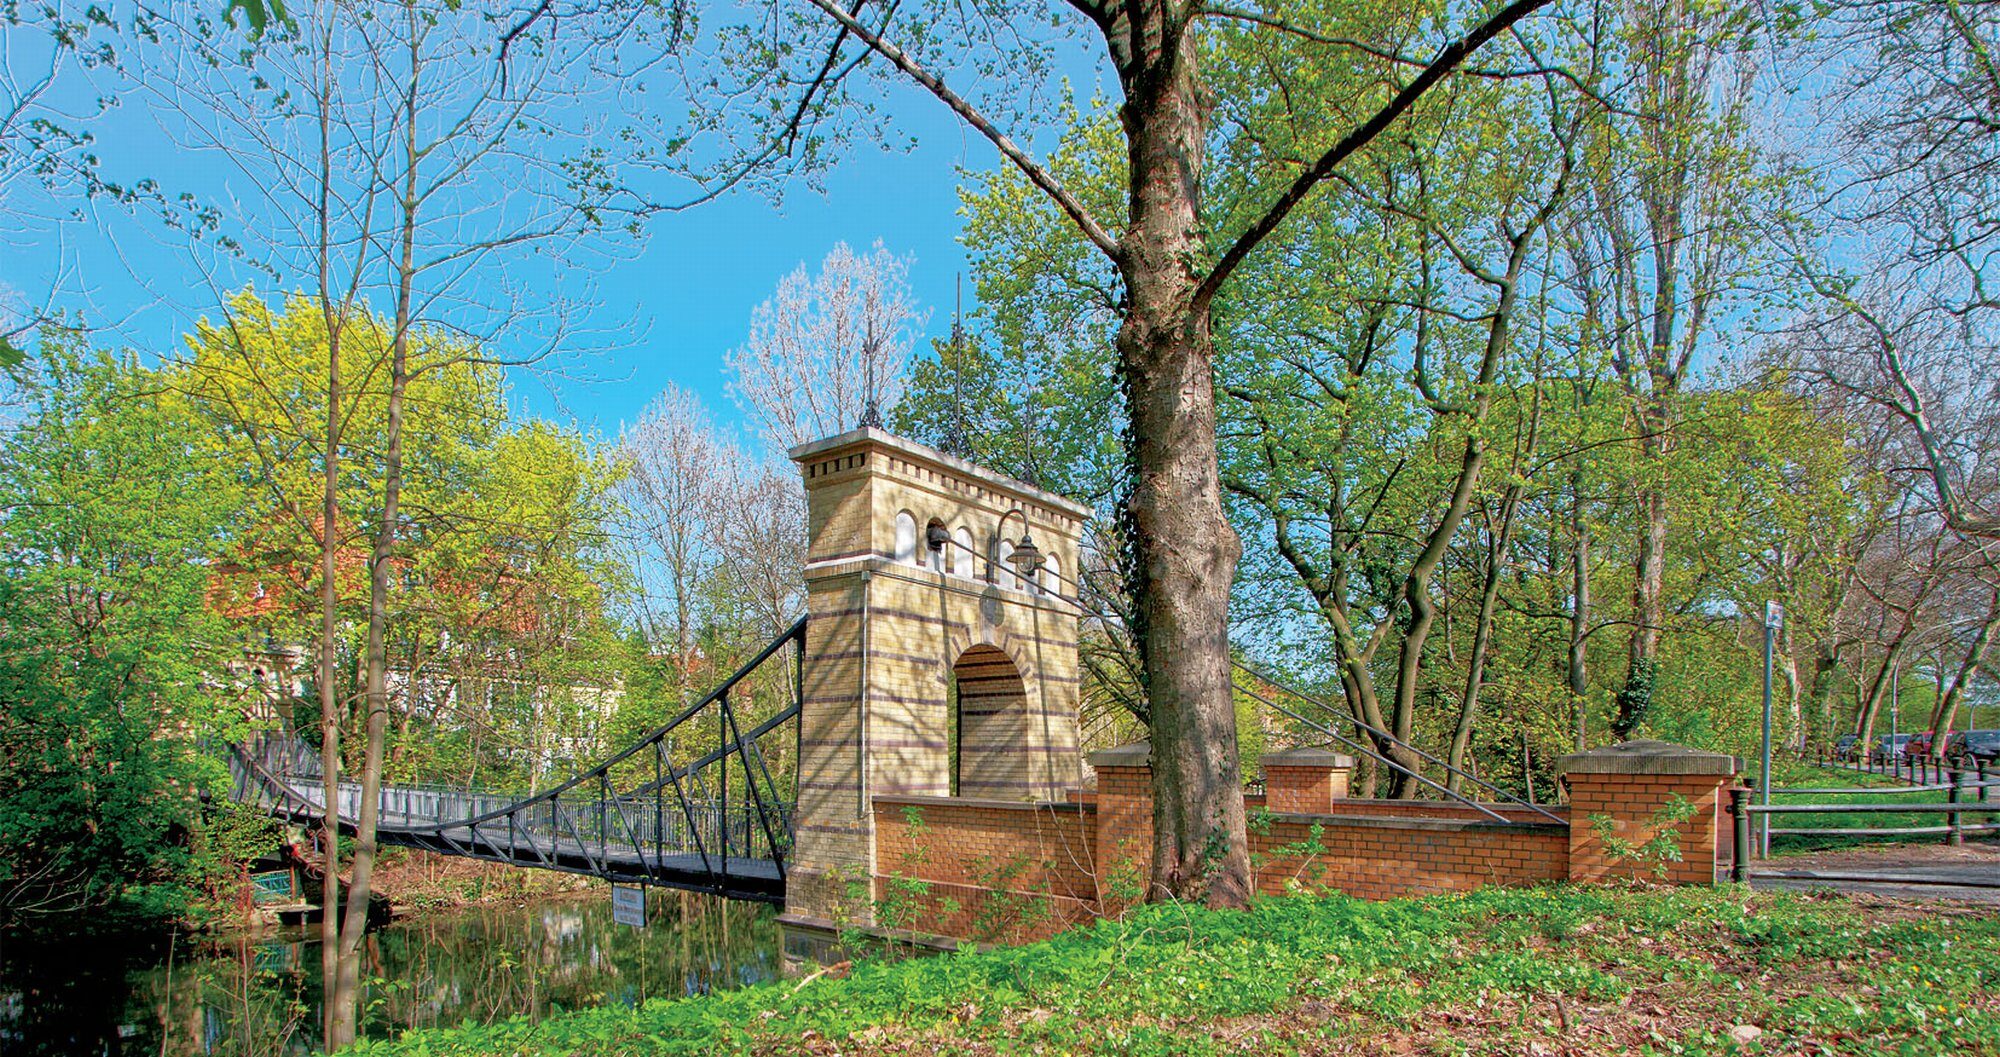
<point x="990" y="736"/>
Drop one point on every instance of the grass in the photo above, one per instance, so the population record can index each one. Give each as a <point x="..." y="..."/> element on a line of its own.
<point x="1502" y="971"/>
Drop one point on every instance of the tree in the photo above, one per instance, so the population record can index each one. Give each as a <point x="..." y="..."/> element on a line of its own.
<point x="1915" y="178"/>
<point x="1173" y="253"/>
<point x="375" y="133"/>
<point x="827" y="351"/>
<point x="1656" y="250"/>
<point x="676" y="476"/>
<point x="108" y="646"/>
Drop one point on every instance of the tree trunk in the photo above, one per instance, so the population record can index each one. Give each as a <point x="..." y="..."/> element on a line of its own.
<point x="1579" y="616"/>
<point x="1948" y="701"/>
<point x="329" y="552"/>
<point x="1642" y="656"/>
<point x="1183" y="552"/>
<point x="1826" y="683"/>
<point x="1482" y="633"/>
<point x="354" y="923"/>
<point x="1864" y="722"/>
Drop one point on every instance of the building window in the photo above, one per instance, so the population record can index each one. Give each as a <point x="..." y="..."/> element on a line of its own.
<point x="936" y="559"/>
<point x="962" y="564"/>
<point x="1003" y="566"/>
<point x="1051" y="575"/>
<point x="906" y="538"/>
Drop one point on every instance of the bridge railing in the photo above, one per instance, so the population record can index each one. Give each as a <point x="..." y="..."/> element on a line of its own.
<point x="626" y="816"/>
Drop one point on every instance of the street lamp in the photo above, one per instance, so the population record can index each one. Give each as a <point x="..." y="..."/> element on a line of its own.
<point x="1026" y="557"/>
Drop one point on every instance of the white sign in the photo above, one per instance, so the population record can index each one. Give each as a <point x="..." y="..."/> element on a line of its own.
<point x="628" y="906"/>
<point x="1774" y="615"/>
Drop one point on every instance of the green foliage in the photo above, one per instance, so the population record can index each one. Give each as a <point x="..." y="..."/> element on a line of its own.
<point x="1659" y="851"/>
<point x="501" y="591"/>
<point x="1486" y="972"/>
<point x="112" y="520"/>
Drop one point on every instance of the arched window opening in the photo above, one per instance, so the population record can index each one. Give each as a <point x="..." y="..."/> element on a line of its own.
<point x="1051" y="575"/>
<point x="962" y="564"/>
<point x="936" y="559"/>
<point x="1003" y="566"/>
<point x="906" y="538"/>
<point x="990" y="729"/>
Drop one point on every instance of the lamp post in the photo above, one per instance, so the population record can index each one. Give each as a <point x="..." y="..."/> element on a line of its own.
<point x="1774" y="618"/>
<point x="1026" y="557"/>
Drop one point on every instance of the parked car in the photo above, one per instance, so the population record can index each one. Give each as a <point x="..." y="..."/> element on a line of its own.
<point x="1977" y="744"/>
<point x="1892" y="747"/>
<point x="1843" y="749"/>
<point x="1918" y="745"/>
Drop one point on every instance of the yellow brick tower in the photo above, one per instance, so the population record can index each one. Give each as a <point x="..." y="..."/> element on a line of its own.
<point x="932" y="666"/>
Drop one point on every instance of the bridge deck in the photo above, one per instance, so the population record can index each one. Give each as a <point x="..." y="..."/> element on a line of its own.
<point x="622" y="862"/>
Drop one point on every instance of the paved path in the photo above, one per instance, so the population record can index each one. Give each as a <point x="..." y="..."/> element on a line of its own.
<point x="1970" y="873"/>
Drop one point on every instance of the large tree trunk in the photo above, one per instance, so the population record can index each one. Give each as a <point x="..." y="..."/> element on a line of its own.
<point x="1825" y="687"/>
<point x="1184" y="552"/>
<point x="1642" y="655"/>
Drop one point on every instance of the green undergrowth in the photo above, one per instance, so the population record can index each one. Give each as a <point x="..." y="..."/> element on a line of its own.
<point x="1558" y="969"/>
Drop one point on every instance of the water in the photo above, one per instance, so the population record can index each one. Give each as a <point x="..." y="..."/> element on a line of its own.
<point x="260" y="995"/>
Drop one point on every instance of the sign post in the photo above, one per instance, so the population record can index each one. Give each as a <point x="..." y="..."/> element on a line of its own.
<point x="1774" y="618"/>
<point x="628" y="906"/>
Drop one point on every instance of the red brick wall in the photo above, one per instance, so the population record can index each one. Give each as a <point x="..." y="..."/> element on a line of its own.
<point x="989" y="870"/>
<point x="1124" y="834"/>
<point x="1631" y="803"/>
<point x="1302" y="788"/>
<point x="1386" y="857"/>
<point x="994" y="870"/>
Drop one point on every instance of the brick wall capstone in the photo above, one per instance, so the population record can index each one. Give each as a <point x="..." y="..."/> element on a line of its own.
<point x="1625" y="789"/>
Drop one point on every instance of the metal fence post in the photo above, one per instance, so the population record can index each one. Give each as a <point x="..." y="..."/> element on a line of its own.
<point x="1739" y="864"/>
<point x="1957" y="819"/>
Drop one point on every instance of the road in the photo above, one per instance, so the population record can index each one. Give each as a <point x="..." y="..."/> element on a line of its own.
<point x="1970" y="873"/>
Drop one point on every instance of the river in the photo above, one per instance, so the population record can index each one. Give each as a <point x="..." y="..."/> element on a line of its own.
<point x="250" y="996"/>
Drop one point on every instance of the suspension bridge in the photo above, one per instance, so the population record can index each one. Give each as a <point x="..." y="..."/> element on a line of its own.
<point x="719" y="823"/>
<point x="941" y="675"/>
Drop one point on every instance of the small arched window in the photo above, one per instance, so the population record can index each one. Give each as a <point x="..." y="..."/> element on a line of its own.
<point x="962" y="564"/>
<point x="906" y="538"/>
<point x="1003" y="566"/>
<point x="936" y="558"/>
<point x="1051" y="575"/>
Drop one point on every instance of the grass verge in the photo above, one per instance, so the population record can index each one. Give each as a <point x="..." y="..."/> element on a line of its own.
<point x="1502" y="971"/>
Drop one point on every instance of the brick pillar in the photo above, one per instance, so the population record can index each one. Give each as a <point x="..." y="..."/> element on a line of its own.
<point x="1305" y="781"/>
<point x="1124" y="838"/>
<point x="1627" y="789"/>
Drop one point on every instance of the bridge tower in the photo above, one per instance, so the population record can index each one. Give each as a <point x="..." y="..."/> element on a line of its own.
<point x="932" y="667"/>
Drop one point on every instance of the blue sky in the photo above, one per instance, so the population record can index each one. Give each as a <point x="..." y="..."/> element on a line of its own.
<point x="687" y="295"/>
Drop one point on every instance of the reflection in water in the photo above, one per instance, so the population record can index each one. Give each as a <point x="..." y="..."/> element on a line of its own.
<point x="261" y="996"/>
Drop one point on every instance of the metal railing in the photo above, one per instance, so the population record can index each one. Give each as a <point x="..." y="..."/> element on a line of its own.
<point x="1967" y="792"/>
<point x="718" y="822"/>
